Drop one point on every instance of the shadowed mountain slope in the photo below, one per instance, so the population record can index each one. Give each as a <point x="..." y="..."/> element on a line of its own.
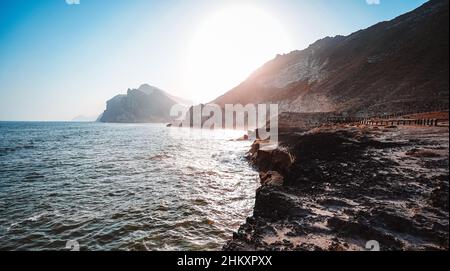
<point x="393" y="66"/>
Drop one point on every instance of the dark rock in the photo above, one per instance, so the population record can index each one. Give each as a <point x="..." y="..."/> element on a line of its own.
<point x="272" y="203"/>
<point x="268" y="159"/>
<point x="271" y="178"/>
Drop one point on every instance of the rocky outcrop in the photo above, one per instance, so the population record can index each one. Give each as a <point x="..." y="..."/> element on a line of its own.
<point x="349" y="185"/>
<point x="271" y="178"/>
<point x="395" y="66"/>
<point x="145" y="104"/>
<point x="267" y="157"/>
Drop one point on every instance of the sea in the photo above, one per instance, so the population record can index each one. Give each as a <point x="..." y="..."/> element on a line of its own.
<point x="121" y="186"/>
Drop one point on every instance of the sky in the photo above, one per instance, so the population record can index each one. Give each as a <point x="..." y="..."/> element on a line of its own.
<point x="60" y="59"/>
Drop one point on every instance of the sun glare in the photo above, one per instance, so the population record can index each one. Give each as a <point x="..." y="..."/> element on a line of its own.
<point x="230" y="45"/>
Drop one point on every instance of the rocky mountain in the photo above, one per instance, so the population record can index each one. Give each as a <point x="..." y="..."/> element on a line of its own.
<point x="394" y="66"/>
<point x="141" y="105"/>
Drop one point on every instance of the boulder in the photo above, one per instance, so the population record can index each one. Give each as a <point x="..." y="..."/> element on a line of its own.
<point x="273" y="159"/>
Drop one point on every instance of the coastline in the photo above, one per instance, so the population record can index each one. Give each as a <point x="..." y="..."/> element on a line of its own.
<point x="349" y="184"/>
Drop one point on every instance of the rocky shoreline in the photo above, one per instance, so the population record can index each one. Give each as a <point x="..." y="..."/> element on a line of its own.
<point x="337" y="187"/>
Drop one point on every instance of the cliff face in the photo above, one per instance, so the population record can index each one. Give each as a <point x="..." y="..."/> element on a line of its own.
<point x="145" y="104"/>
<point x="393" y="66"/>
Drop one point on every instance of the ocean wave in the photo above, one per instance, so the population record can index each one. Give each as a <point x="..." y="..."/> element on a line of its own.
<point x="99" y="187"/>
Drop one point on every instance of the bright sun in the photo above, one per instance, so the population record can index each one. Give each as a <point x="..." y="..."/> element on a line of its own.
<point x="228" y="47"/>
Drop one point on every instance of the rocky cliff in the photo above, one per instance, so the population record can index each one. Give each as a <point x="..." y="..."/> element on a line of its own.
<point x="145" y="104"/>
<point x="393" y="66"/>
<point x="340" y="187"/>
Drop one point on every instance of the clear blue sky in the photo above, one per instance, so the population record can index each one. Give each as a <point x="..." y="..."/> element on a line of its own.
<point x="58" y="61"/>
